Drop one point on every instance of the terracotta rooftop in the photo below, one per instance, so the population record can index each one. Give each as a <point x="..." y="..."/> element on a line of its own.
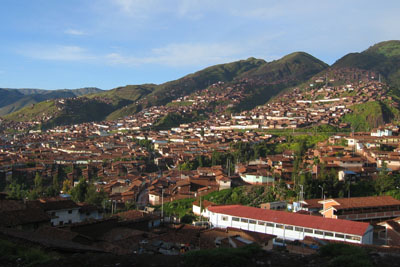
<point x="363" y="202"/>
<point x="313" y="203"/>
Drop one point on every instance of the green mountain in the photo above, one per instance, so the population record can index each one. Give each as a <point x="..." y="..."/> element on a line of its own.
<point x="266" y="79"/>
<point x="262" y="81"/>
<point x="166" y="92"/>
<point x="271" y="78"/>
<point x="12" y="100"/>
<point x="383" y="58"/>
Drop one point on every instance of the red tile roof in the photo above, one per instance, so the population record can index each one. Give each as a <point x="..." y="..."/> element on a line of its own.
<point x="363" y="202"/>
<point x="327" y="224"/>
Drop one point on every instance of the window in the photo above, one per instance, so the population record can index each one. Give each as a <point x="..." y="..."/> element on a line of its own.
<point x="280" y="226"/>
<point x="339" y="235"/>
<point x="61" y="223"/>
<point x="244" y="220"/>
<point x="352" y="237"/>
<point x="53" y="213"/>
<point x="288" y="227"/>
<point x="252" y="221"/>
<point x="298" y="229"/>
<point x="260" y="223"/>
<point x="236" y="219"/>
<point x="270" y="224"/>
<point x="225" y="218"/>
<point x="317" y="232"/>
<point x="328" y="234"/>
<point x="69" y="221"/>
<point x="70" y="211"/>
<point x="306" y="230"/>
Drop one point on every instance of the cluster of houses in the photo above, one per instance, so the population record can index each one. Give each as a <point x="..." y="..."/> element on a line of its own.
<point x="134" y="163"/>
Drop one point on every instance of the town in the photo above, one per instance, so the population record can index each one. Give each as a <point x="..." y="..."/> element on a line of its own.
<point x="270" y="176"/>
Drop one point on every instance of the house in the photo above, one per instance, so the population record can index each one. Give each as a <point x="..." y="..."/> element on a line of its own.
<point x="139" y="219"/>
<point x="289" y="226"/>
<point x="277" y="205"/>
<point x="224" y="182"/>
<point x="89" y="212"/>
<point x="19" y="215"/>
<point x="61" y="211"/>
<point x="361" y="208"/>
<point x="382" y="132"/>
<point x="154" y="198"/>
<point x="255" y="178"/>
<point x="391" y="233"/>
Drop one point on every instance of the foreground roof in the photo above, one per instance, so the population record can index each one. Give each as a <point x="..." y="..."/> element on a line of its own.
<point x="283" y="217"/>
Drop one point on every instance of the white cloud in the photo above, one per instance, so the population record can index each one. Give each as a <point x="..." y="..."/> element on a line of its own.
<point x="74" y="32"/>
<point x="178" y="55"/>
<point x="138" y="8"/>
<point x="190" y="9"/>
<point x="59" y="53"/>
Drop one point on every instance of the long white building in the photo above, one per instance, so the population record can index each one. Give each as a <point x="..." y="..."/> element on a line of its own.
<point x="289" y="226"/>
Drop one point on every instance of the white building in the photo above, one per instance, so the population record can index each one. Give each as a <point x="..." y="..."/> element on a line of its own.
<point x="289" y="226"/>
<point x="67" y="211"/>
<point x="382" y="132"/>
<point x="61" y="211"/>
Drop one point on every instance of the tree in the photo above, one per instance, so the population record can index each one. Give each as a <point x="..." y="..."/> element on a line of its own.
<point x="56" y="183"/>
<point x="16" y="191"/>
<point x="66" y="188"/>
<point x="78" y="193"/>
<point x="94" y="197"/>
<point x="385" y="182"/>
<point x="38" y="183"/>
<point x="316" y="162"/>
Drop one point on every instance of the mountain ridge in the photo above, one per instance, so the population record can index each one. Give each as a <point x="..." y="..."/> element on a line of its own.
<point x="12" y="100"/>
<point x="260" y="81"/>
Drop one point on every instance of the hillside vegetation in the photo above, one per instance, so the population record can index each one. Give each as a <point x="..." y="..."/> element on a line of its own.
<point x="369" y="115"/>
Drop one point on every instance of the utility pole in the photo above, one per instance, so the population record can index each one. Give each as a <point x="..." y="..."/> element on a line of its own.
<point x="322" y="195"/>
<point x="301" y="192"/>
<point x="348" y="193"/>
<point x="200" y="210"/>
<point x="162" y="205"/>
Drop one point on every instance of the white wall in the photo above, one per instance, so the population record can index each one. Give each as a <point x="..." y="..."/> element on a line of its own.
<point x="65" y="216"/>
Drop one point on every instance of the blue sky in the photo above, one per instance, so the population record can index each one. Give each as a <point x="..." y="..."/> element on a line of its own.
<point x="53" y="44"/>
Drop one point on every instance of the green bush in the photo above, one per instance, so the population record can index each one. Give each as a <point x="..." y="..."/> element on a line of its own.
<point x="345" y="255"/>
<point x="29" y="256"/>
<point x="221" y="257"/>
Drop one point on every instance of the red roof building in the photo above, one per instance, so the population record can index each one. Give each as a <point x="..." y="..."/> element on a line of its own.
<point x="361" y="208"/>
<point x="291" y="226"/>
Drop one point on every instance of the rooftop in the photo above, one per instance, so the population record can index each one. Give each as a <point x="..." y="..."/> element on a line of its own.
<point x="334" y="225"/>
<point x="362" y="202"/>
